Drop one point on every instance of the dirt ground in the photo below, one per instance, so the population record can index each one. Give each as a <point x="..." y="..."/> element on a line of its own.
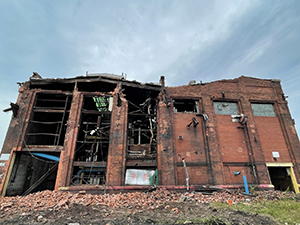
<point x="189" y="213"/>
<point x="158" y="207"/>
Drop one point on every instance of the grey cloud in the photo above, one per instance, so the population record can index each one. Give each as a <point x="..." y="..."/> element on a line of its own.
<point x="183" y="40"/>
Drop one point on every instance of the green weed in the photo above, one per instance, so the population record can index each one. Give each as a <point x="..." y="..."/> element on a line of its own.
<point x="284" y="211"/>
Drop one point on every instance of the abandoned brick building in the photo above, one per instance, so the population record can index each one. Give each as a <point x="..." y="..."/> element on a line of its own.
<point x="104" y="132"/>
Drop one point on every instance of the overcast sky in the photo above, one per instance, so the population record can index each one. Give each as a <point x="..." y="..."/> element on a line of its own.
<point x="182" y="40"/>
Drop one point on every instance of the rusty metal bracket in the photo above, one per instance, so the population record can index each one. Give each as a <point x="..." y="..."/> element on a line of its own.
<point x="14" y="107"/>
<point x="195" y="123"/>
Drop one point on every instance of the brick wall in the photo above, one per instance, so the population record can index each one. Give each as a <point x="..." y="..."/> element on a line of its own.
<point x="272" y="139"/>
<point x="189" y="145"/>
<point x="213" y="150"/>
<point x="228" y="148"/>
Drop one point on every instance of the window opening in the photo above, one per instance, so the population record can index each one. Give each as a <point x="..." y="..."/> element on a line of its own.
<point x="142" y="129"/>
<point x="186" y="106"/>
<point x="226" y="108"/>
<point x="93" y="141"/>
<point x="47" y="125"/>
<point x="263" y="109"/>
<point x="141" y="158"/>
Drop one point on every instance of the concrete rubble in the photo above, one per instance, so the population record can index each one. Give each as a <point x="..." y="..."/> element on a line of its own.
<point x="158" y="199"/>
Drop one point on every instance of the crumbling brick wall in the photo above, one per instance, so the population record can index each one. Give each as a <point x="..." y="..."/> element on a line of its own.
<point x="216" y="147"/>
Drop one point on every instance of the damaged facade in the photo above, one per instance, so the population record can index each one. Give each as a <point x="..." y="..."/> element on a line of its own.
<point x="103" y="132"/>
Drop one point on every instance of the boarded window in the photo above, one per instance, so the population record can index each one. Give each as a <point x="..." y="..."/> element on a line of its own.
<point x="187" y="106"/>
<point x="226" y="108"/>
<point x="260" y="109"/>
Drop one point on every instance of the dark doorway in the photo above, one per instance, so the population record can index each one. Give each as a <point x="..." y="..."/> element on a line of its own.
<point x="280" y="178"/>
<point x="32" y="173"/>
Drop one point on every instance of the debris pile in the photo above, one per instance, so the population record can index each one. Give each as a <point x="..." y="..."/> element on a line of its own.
<point x="54" y="200"/>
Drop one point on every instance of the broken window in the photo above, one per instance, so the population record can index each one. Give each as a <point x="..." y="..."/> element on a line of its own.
<point x="93" y="140"/>
<point x="263" y="109"/>
<point x="226" y="108"/>
<point x="184" y="105"/>
<point x="47" y="125"/>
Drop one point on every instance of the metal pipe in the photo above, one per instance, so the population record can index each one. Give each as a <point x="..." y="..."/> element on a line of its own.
<point x="246" y="184"/>
<point x="46" y="156"/>
<point x="250" y="153"/>
<point x="90" y="171"/>
<point x="139" y="142"/>
<point x="186" y="175"/>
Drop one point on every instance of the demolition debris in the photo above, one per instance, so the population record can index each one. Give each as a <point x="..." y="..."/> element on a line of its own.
<point x="54" y="200"/>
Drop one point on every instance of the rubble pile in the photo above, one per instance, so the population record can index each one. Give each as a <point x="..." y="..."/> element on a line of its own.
<point x="54" y="200"/>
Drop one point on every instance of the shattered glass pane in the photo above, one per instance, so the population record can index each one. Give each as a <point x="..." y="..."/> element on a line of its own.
<point x="226" y="108"/>
<point x="263" y="109"/>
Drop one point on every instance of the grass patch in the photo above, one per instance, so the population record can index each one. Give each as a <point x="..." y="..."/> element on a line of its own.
<point x="284" y="211"/>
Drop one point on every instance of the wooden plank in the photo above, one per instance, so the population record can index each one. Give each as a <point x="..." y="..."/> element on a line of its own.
<point x="7" y="177"/>
<point x="137" y="163"/>
<point x="50" y="100"/>
<point x="43" y="122"/>
<point x="90" y="164"/>
<point x="49" y="110"/>
<point x="94" y="112"/>
<point x="36" y="134"/>
<point x="43" y="148"/>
